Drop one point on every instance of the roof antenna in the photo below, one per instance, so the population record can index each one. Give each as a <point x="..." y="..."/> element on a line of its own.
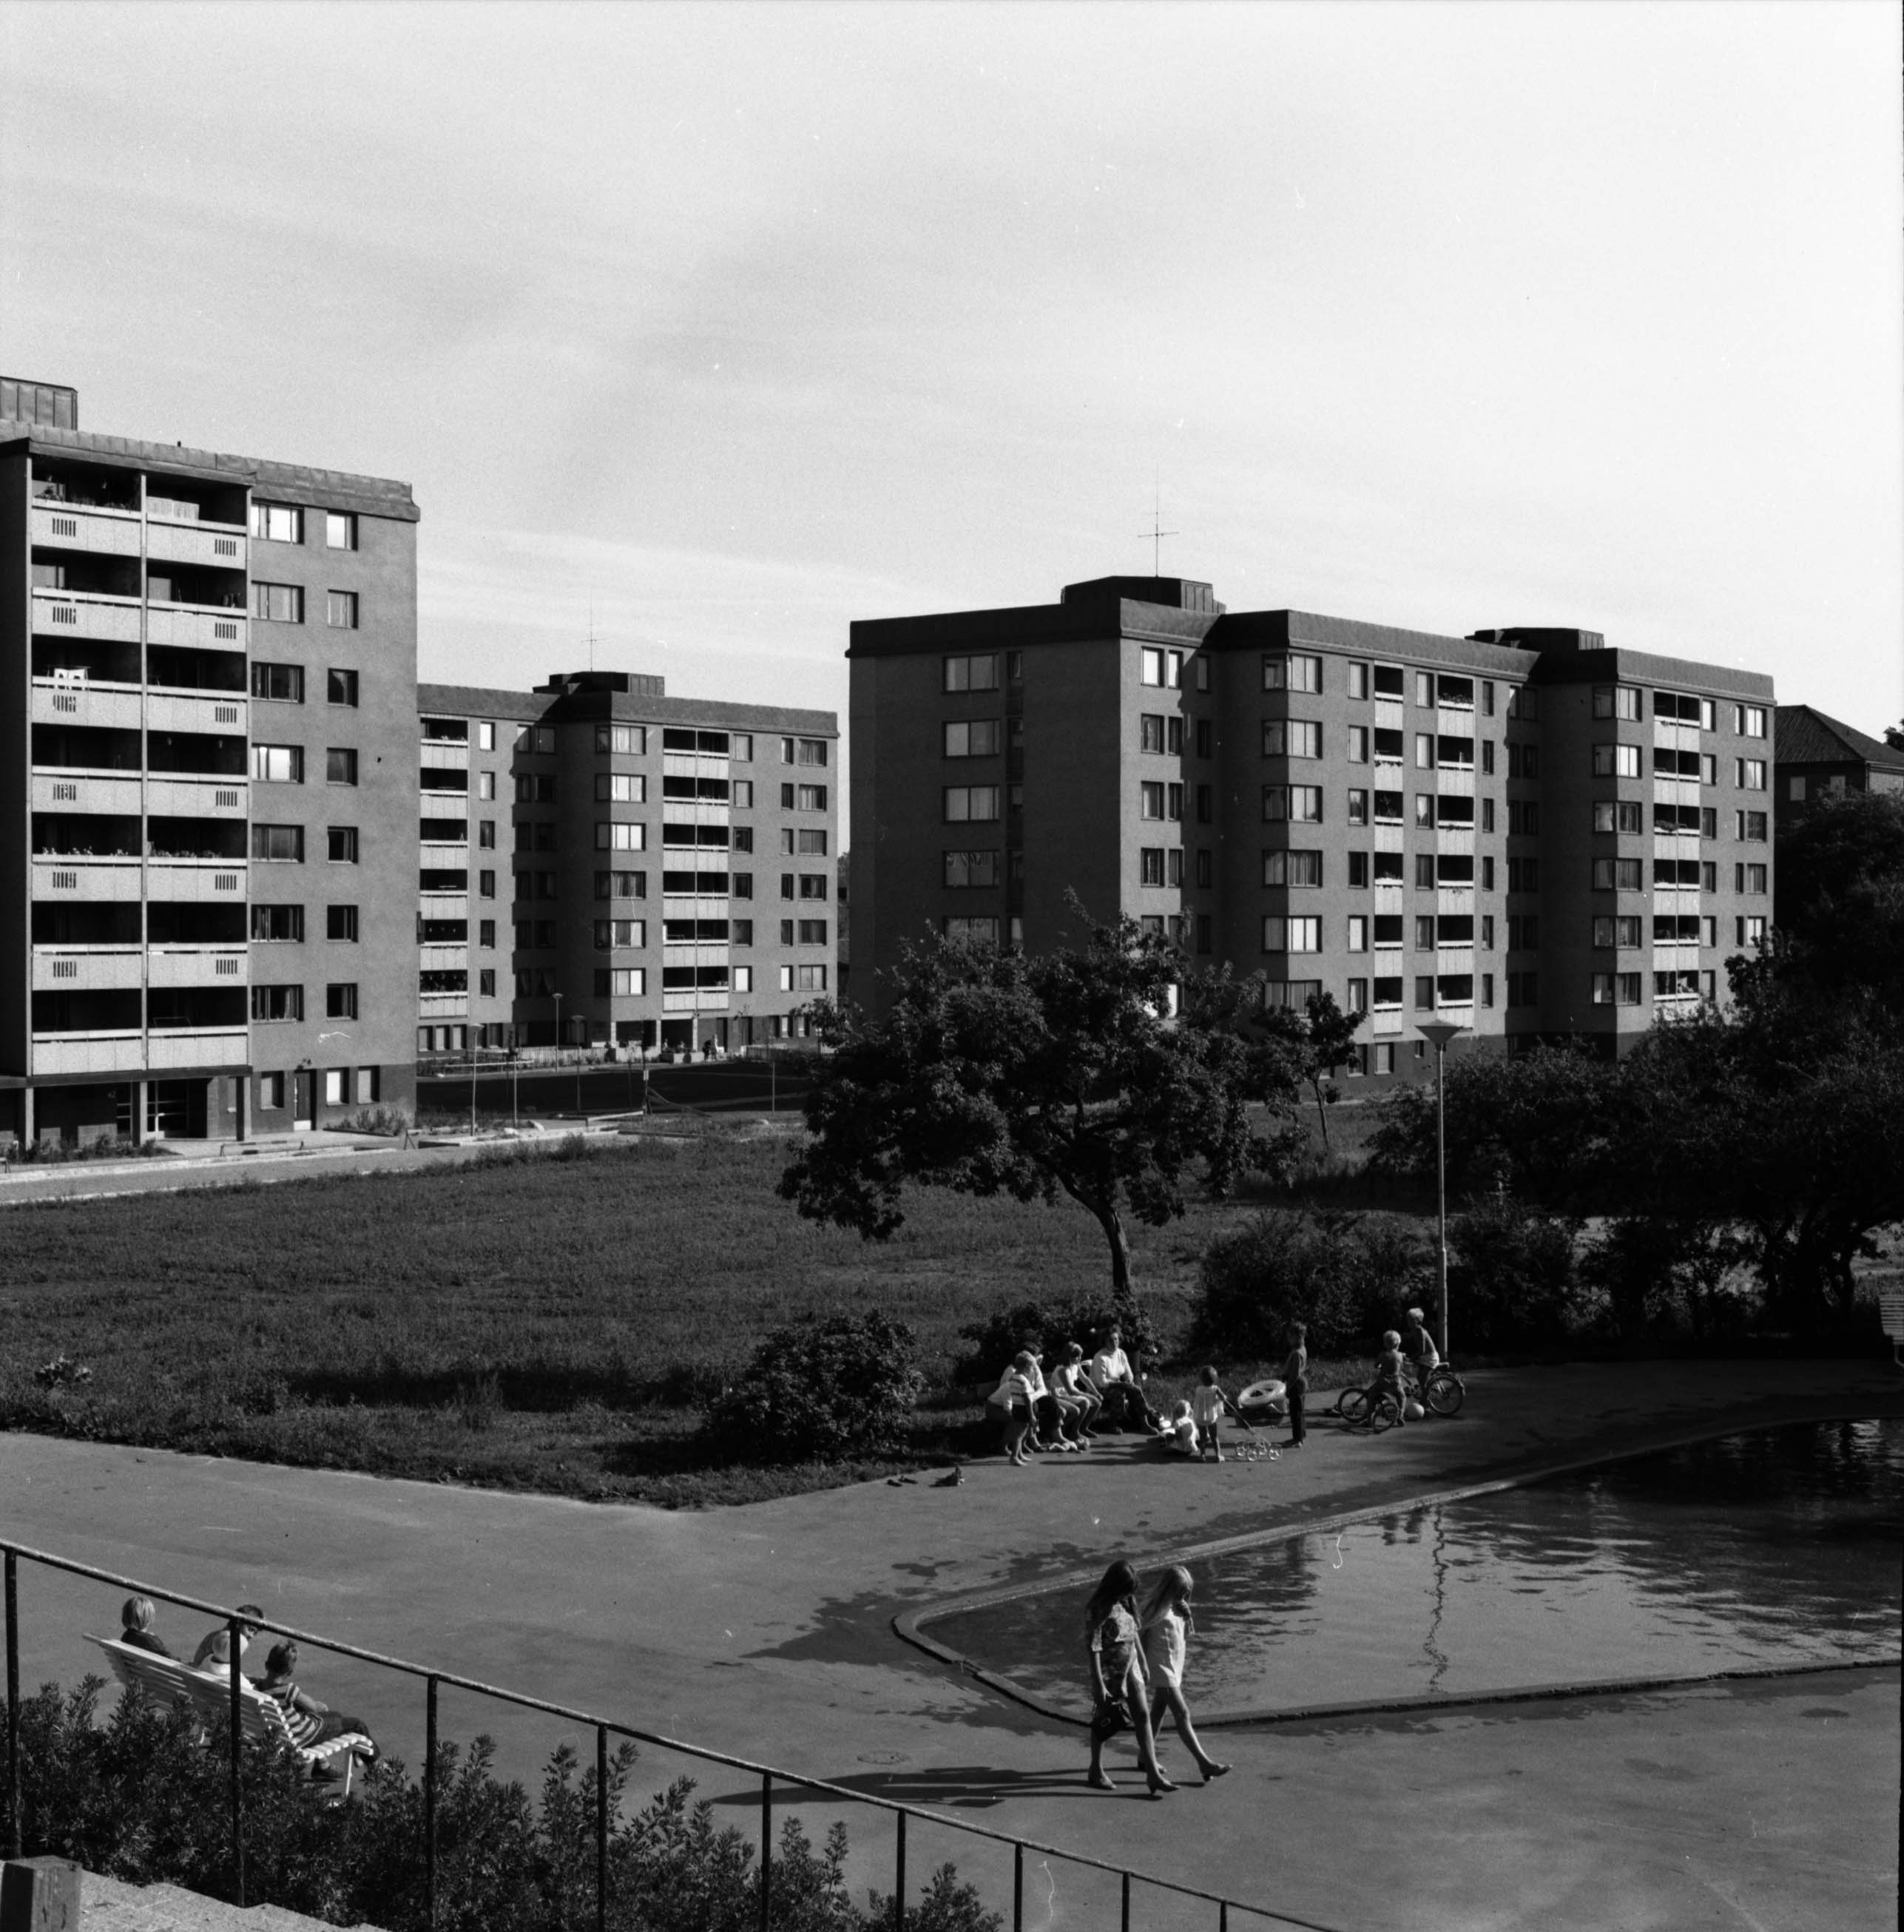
<point x="1156" y="532"/>
<point x="591" y="634"/>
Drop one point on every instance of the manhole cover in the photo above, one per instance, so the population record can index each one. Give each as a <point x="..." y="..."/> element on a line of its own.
<point x="881" y="1757"/>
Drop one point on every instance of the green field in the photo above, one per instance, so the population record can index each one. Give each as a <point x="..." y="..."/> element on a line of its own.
<point x="550" y="1323"/>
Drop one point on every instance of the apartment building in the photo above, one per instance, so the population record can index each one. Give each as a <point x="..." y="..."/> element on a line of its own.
<point x="207" y="786"/>
<point x="603" y="865"/>
<point x="1523" y="830"/>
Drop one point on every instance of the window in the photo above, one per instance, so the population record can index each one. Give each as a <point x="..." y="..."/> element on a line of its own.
<point x="1388" y="808"/>
<point x="1749" y="720"/>
<point x="1523" y="818"/>
<point x="1358" y="932"/>
<point x="1293" y="672"/>
<point x="278" y="844"/>
<point x="340" y="766"/>
<point x="1292" y="869"/>
<point x="278" y="523"/>
<point x="1150" y="865"/>
<point x="341" y="609"/>
<point x="535" y="788"/>
<point x="813" y="932"/>
<point x="628" y="885"/>
<point x="1163" y="670"/>
<point x="1616" y="700"/>
<point x="340" y="1000"/>
<point x="974" y="803"/>
<point x="1616" y="761"/>
<point x="1751" y="774"/>
<point x="1424" y="992"/>
<point x="620" y="788"/>
<point x="813" y="979"/>
<point x="1616" y="815"/>
<point x="1688" y="710"/>
<point x="1616" y="989"/>
<point x="277" y="924"/>
<point x="1751" y="827"/>
<point x="340" y="529"/>
<point x="1487" y="757"/>
<point x="1358" y="744"/>
<point x="1749" y="878"/>
<point x="486" y="791"/>
<point x="1292" y="738"/>
<point x="340" y="687"/>
<point x="486" y="885"/>
<point x="277" y="1002"/>
<point x="1425" y="751"/>
<point x="279" y="764"/>
<point x="1282" y="935"/>
<point x="965" y="870"/>
<point x="1752" y="929"/>
<point x="620" y="837"/>
<point x="278" y="603"/>
<point x="1424" y="932"/>
<point x="1487" y="875"/>
<point x="340" y="923"/>
<point x="1487" y="814"/>
<point x="1425" y="871"/>
<point x="1424" y="808"/>
<point x="1358" y="680"/>
<point x="975" y="738"/>
<point x="1358" y="870"/>
<point x="278" y="683"/>
<point x="1487" y="933"/>
<point x="1299" y="804"/>
<point x="628" y="740"/>
<point x="1358" y="807"/>
<point x="1149" y="731"/>
<point x="340" y="844"/>
<point x="964" y="673"/>
<point x="811" y="798"/>
<point x="813" y="885"/>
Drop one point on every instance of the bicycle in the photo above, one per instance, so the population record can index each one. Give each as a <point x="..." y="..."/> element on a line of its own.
<point x="1373" y="1408"/>
<point x="1441" y="1393"/>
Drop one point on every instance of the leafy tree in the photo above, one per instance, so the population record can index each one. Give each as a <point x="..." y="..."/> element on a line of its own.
<point x="1313" y="1047"/>
<point x="1511" y="1277"/>
<point x="1840" y="906"/>
<point x="1030" y="1075"/>
<point x="830" y="1387"/>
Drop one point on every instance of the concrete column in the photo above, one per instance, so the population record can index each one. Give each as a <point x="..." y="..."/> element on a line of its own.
<point x="26" y="1125"/>
<point x="138" y="1092"/>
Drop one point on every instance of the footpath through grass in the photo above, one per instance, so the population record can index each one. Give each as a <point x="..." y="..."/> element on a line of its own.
<point x="551" y="1321"/>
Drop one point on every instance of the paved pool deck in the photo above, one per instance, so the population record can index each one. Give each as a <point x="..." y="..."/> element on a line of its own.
<point x="767" y="1632"/>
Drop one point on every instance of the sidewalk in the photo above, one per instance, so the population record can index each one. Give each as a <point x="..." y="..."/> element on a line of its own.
<point x="766" y="1631"/>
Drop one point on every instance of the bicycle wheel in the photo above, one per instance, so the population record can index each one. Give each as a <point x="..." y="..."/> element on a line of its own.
<point x="1445" y="1392"/>
<point x="1352" y="1405"/>
<point x="1384" y="1412"/>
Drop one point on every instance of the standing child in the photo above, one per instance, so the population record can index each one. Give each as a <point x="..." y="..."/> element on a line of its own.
<point x="1295" y="1380"/>
<point x="1207" y="1405"/>
<point x="1120" y="1695"/>
<point x="1388" y="1373"/>
<point x="1013" y="1399"/>
<point x="1167" y="1627"/>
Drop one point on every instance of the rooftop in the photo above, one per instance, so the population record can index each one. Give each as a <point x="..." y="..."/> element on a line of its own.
<point x="1804" y="736"/>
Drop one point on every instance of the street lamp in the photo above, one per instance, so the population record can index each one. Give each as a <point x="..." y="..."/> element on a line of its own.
<point x="1441" y="1032"/>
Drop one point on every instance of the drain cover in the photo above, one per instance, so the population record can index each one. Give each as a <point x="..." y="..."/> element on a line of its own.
<point x="881" y="1757"/>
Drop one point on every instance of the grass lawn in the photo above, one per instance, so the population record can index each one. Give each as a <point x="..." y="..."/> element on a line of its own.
<point x="548" y="1323"/>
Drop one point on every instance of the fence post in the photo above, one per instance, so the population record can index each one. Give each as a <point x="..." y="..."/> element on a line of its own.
<point x="429" y="1805"/>
<point x="899" y="1881"/>
<point x="767" y="1846"/>
<point x="601" y="1800"/>
<point x="1223" y="1915"/>
<point x="1017" y="1888"/>
<point x="12" y="1705"/>
<point x="1126" y="1921"/>
<point x="238" y="1738"/>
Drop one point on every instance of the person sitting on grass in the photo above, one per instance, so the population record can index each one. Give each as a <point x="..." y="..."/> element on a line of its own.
<point x="1178" y="1436"/>
<point x="214" y="1649"/>
<point x="309" y="1721"/>
<point x="135" y="1620"/>
<point x="1388" y="1370"/>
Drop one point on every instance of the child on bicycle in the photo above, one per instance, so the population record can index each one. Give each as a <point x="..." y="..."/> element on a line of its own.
<point x="1390" y="1368"/>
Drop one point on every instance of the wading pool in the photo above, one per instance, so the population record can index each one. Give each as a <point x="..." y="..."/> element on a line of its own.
<point x="1776" y="1549"/>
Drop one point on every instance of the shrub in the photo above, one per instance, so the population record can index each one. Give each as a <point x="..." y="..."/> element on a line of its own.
<point x="1046" y="1326"/>
<point x="379" y="1119"/>
<point x="1511" y="1274"/>
<point x="829" y="1387"/>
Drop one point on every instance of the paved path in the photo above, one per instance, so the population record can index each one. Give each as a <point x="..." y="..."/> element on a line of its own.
<point x="766" y="1631"/>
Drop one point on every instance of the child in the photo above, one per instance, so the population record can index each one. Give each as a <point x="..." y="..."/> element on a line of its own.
<point x="1119" y="1694"/>
<point x="1167" y="1625"/>
<point x="1207" y="1405"/>
<point x="1388" y="1373"/>
<point x="136" y="1621"/>
<point x="1013" y="1397"/>
<point x="1295" y="1380"/>
<point x="1179" y="1433"/>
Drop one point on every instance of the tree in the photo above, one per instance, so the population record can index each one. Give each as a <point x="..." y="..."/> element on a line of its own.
<point x="1840" y="902"/>
<point x="1314" y="1046"/>
<point x="1003" y="1072"/>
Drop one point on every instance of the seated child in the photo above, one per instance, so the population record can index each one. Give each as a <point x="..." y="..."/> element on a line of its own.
<point x="1180" y="1435"/>
<point x="136" y="1619"/>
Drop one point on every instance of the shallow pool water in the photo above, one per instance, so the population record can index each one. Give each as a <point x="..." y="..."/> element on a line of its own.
<point x="1778" y="1547"/>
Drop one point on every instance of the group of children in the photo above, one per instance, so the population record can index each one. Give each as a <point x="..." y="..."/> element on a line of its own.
<point x="1137" y="1670"/>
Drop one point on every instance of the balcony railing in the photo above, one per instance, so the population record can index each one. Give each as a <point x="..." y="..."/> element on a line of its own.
<point x="118" y="1052"/>
<point x="198" y="879"/>
<point x="181" y="625"/>
<point x="79" y="701"/>
<point x="199" y="1046"/>
<point x="81" y="613"/>
<point x="87" y="792"/>
<point x="199" y="966"/>
<point x="103" y="532"/>
<point x="71" y="878"/>
<point x="222" y="716"/>
<point x="87" y="969"/>
<point x="217" y="544"/>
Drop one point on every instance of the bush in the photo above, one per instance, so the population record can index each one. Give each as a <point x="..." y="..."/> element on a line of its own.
<point x="379" y="1119"/>
<point x="1511" y="1274"/>
<point x="1044" y="1328"/>
<point x="1346" y="1276"/>
<point x="141" y="1799"/>
<point x="828" y="1388"/>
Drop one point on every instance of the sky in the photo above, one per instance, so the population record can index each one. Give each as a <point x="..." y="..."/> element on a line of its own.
<point x="709" y="328"/>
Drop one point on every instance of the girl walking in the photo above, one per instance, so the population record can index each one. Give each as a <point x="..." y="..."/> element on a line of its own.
<point x="1120" y="1692"/>
<point x="1167" y="1626"/>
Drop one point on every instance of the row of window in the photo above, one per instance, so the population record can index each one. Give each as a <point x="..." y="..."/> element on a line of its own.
<point x="620" y="935"/>
<point x="284" y="523"/>
<point x="631" y="788"/>
<point x="284" y="603"/>
<point x="284" y="764"/>
<point x="336" y="1086"/>
<point x="287" y="1002"/>
<point x="1623" y="761"/>
<point x="626" y="741"/>
<point x="1627" y="701"/>
<point x="631" y="983"/>
<point x="284" y="925"/>
<point x="284" y="684"/>
<point x="284" y="844"/>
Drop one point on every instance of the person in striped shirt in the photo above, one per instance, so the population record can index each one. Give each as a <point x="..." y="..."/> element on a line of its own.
<point x="309" y="1721"/>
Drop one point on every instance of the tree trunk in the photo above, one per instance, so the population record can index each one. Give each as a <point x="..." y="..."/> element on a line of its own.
<point x="1321" y="1110"/>
<point x="1121" y="1293"/>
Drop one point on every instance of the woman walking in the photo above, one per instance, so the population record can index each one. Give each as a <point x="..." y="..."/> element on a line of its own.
<point x="1167" y="1625"/>
<point x="1120" y="1692"/>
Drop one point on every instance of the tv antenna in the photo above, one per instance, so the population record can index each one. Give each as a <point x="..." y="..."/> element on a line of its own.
<point x="1156" y="532"/>
<point x="592" y="634"/>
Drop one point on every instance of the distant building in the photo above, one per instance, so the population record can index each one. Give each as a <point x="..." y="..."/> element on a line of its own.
<point x="207" y="786"/>
<point x="1816" y="757"/>
<point x="600" y="864"/>
<point x="1523" y="830"/>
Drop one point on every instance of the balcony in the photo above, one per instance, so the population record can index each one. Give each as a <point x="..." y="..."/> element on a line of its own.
<point x="77" y="613"/>
<point x="197" y="881"/>
<point x="215" y="544"/>
<point x="74" y="701"/>
<point x="118" y="796"/>
<point x="199" y="1046"/>
<point x="434" y="757"/>
<point x="437" y="857"/>
<point x="186" y="629"/>
<point x="443" y="958"/>
<point x="713" y="954"/>
<point x="88" y="1053"/>
<point x="103" y="533"/>
<point x="199" y="966"/>
<point x="87" y="969"/>
<point x="195" y="798"/>
<point x="220" y="717"/>
<point x="441" y="1005"/>
<point x="444" y="905"/>
<point x="71" y="878"/>
<point x="676" y="906"/>
<point x="707" y="999"/>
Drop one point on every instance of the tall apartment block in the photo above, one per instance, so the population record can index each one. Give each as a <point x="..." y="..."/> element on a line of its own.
<point x="602" y="864"/>
<point x="1525" y="831"/>
<point x="207" y="786"/>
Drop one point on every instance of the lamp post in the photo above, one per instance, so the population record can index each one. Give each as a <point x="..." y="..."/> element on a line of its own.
<point x="1441" y="1032"/>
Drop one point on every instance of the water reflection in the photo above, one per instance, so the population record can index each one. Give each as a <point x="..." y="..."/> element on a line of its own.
<point x="1778" y="1547"/>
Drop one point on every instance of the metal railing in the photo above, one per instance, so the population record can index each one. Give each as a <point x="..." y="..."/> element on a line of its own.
<point x="604" y="1728"/>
